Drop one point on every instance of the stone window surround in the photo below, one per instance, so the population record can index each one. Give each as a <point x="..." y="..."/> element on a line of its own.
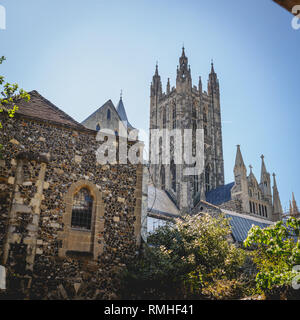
<point x="83" y="241"/>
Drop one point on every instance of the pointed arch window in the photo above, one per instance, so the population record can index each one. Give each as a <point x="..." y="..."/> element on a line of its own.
<point x="194" y="130"/>
<point x="164" y="117"/>
<point x="82" y="210"/>
<point x="163" y="177"/>
<point x="207" y="178"/>
<point x="172" y="146"/>
<point x="98" y="127"/>
<point x="174" y="116"/>
<point x="108" y="114"/>
<point x="160" y="149"/>
<point x="173" y="175"/>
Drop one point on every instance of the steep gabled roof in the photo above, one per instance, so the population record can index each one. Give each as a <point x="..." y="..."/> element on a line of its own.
<point x="40" y="108"/>
<point x="122" y="114"/>
<point x="107" y="103"/>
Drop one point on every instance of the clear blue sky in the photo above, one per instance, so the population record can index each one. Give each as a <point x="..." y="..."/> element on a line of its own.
<point x="78" y="54"/>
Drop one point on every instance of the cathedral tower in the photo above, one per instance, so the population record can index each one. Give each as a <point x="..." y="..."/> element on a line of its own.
<point x="186" y="107"/>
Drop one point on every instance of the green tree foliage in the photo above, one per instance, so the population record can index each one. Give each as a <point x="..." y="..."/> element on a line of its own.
<point x="184" y="259"/>
<point x="9" y="94"/>
<point x="277" y="252"/>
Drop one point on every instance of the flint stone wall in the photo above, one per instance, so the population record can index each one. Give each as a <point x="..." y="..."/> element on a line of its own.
<point x="40" y="162"/>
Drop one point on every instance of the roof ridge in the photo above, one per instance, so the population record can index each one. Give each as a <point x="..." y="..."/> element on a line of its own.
<point x="57" y="109"/>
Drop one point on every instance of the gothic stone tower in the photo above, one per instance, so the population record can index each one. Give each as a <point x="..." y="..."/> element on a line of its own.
<point x="187" y="107"/>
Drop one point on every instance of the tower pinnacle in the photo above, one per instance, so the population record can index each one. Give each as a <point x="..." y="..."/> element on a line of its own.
<point x="239" y="162"/>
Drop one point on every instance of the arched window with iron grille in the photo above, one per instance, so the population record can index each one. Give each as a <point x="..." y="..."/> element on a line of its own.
<point x="82" y="210"/>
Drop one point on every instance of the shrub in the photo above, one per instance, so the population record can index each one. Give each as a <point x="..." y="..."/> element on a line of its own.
<point x="184" y="258"/>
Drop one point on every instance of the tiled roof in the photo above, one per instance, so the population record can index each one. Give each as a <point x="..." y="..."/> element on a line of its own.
<point x="159" y="202"/>
<point x="241" y="224"/>
<point x="220" y="195"/>
<point x="41" y="108"/>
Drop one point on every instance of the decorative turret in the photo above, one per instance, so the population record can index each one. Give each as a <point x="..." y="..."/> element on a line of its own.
<point x="277" y="208"/>
<point x="213" y="82"/>
<point x="168" y="86"/>
<point x="156" y="87"/>
<point x="265" y="181"/>
<point x="200" y="85"/>
<point x="183" y="80"/>
<point x="239" y="165"/>
<point x="294" y="212"/>
<point x="240" y="188"/>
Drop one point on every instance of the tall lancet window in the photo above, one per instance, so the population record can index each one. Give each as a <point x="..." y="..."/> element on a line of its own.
<point x="160" y="150"/>
<point x="164" y="117"/>
<point x="108" y="114"/>
<point x="194" y="130"/>
<point x="207" y="178"/>
<point x="174" y="116"/>
<point x="163" y="177"/>
<point x="82" y="209"/>
<point x="173" y="175"/>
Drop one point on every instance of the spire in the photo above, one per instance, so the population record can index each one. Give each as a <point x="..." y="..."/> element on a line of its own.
<point x="274" y="181"/>
<point x="212" y="67"/>
<point x="263" y="169"/>
<point x="291" y="209"/>
<point x="168" y="86"/>
<point x="156" y="87"/>
<point x="295" y="210"/>
<point x="277" y="208"/>
<point x="213" y="82"/>
<point x="239" y="162"/>
<point x="122" y="113"/>
<point x="200" y="85"/>
<point x="156" y="69"/>
<point x="184" y="79"/>
<point x="183" y="53"/>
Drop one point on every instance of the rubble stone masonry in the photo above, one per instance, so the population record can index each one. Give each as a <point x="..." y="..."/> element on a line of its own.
<point x="43" y="164"/>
